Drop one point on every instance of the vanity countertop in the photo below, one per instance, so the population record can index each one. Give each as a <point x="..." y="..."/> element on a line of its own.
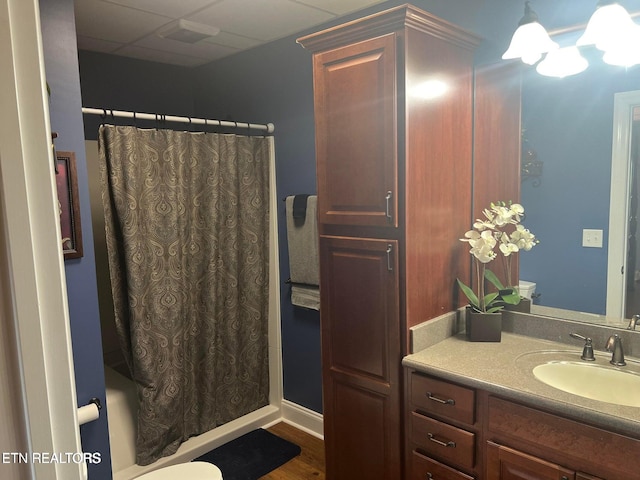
<point x="505" y="369"/>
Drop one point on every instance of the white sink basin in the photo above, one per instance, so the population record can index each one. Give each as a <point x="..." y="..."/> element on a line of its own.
<point x="596" y="382"/>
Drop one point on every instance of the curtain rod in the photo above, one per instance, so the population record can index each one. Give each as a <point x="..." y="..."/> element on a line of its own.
<point x="269" y="127"/>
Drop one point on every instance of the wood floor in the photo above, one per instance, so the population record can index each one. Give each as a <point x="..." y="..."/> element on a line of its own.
<point x="308" y="465"/>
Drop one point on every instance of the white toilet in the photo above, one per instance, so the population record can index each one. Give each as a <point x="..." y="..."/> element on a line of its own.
<point x="183" y="471"/>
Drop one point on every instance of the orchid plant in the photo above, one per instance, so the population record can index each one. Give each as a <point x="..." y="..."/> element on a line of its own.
<point x="500" y="228"/>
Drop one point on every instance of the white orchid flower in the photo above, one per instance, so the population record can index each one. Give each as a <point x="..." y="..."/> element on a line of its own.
<point x="503" y="215"/>
<point x="489" y="214"/>
<point x="481" y="225"/>
<point x="482" y="246"/>
<point x="470" y="235"/>
<point x="489" y="232"/>
<point x="509" y="248"/>
<point x="517" y="210"/>
<point x="483" y="253"/>
<point x="523" y="238"/>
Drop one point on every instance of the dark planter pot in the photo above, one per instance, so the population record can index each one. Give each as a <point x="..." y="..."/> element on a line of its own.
<point x="523" y="307"/>
<point x="483" y="327"/>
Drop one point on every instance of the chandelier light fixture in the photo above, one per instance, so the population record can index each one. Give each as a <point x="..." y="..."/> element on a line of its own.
<point x="530" y="41"/>
<point x="562" y="62"/>
<point x="611" y="30"/>
<point x="609" y="26"/>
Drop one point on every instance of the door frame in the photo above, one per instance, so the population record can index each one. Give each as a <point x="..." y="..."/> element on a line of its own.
<point x="620" y="174"/>
<point x="33" y="258"/>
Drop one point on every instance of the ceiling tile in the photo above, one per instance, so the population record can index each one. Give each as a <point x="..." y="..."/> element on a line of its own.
<point x="261" y="19"/>
<point x="339" y="7"/>
<point x="169" y="8"/>
<point x="119" y="26"/>
<point x="231" y="40"/>
<point x="96" y="45"/>
<point x="161" y="57"/>
<point x="204" y="50"/>
<point x="107" y="21"/>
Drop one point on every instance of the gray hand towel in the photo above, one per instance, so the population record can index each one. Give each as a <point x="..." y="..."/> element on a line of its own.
<point x="302" y="238"/>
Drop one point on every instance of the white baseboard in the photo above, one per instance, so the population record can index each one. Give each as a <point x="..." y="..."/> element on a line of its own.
<point x="201" y="444"/>
<point x="303" y="418"/>
<point x="300" y="417"/>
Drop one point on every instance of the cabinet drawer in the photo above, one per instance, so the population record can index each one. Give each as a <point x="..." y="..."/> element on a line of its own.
<point x="424" y="468"/>
<point x="443" y="441"/>
<point x="567" y="442"/>
<point x="443" y="398"/>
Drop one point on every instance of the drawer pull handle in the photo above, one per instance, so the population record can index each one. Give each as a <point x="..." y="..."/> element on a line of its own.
<point x="448" y="401"/>
<point x="429" y="475"/>
<point x="433" y="439"/>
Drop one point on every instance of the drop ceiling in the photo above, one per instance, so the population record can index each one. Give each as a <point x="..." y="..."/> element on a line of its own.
<point x="130" y="27"/>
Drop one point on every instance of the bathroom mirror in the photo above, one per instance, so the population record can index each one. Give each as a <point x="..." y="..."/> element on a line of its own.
<point x="569" y="123"/>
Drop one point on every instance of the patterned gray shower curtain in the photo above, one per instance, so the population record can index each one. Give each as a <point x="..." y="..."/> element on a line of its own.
<point x="186" y="219"/>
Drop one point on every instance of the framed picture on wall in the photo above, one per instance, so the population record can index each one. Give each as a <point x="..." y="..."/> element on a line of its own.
<point x="68" y="205"/>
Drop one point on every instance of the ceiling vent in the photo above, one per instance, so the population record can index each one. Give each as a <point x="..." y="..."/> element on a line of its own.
<point x="187" y="32"/>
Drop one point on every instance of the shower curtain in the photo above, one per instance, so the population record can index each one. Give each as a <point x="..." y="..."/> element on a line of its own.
<point x="186" y="219"/>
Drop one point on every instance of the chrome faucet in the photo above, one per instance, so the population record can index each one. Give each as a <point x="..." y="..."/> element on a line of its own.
<point x="633" y="322"/>
<point x="614" y="344"/>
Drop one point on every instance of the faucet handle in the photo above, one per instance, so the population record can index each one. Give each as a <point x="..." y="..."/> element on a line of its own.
<point x="633" y="322"/>
<point x="587" y="351"/>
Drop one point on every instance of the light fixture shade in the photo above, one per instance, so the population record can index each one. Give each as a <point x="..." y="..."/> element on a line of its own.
<point x="529" y="42"/>
<point x="607" y="26"/>
<point x="627" y="52"/>
<point x="562" y="62"/>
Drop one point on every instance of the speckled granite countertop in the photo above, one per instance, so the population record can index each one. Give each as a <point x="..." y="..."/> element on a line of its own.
<point x="505" y="369"/>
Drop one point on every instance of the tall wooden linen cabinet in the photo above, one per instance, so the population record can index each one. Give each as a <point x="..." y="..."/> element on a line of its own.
<point x="393" y="95"/>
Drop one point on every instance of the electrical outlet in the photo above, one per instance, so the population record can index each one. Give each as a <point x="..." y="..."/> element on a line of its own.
<point x="592" y="238"/>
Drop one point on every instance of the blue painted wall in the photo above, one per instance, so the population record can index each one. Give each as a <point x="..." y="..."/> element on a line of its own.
<point x="122" y="83"/>
<point x="273" y="83"/>
<point x="569" y="122"/>
<point x="61" y="66"/>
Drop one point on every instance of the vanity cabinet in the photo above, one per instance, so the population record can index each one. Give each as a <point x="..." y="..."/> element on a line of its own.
<point x="510" y="441"/>
<point x="505" y="463"/>
<point x="394" y="165"/>
<point x="443" y="438"/>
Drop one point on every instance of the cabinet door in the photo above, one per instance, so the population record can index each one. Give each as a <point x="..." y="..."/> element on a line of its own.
<point x="361" y="358"/>
<point x="354" y="88"/>
<point x="504" y="463"/>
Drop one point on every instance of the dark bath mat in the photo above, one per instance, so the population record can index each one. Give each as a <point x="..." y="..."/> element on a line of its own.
<point x="251" y="456"/>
